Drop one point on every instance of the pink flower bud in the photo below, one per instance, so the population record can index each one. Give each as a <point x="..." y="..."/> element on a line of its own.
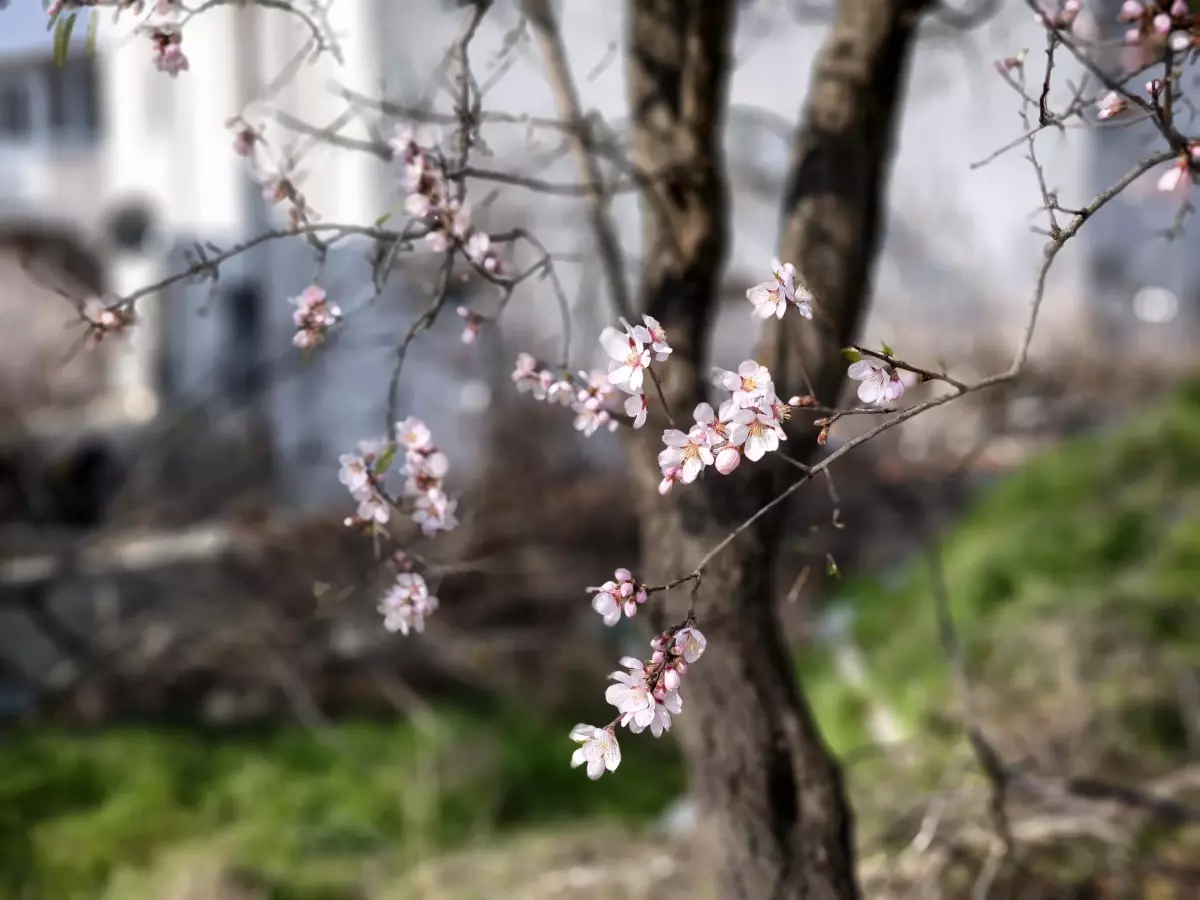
<point x="658" y="657"/>
<point x="623" y="575"/>
<point x="1162" y="23"/>
<point x="1133" y="36"/>
<point x="671" y="680"/>
<point x="1130" y="11"/>
<point x="1154" y="87"/>
<point x="659" y="643"/>
<point x="728" y="460"/>
<point x="1179" y="9"/>
<point x="631" y="608"/>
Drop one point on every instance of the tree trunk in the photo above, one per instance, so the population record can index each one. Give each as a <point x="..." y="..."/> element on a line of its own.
<point x="758" y="765"/>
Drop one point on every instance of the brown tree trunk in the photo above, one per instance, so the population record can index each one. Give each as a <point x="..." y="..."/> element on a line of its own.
<point x="758" y="765"/>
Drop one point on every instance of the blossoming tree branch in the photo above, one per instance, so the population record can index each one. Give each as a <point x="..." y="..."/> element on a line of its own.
<point x="711" y="422"/>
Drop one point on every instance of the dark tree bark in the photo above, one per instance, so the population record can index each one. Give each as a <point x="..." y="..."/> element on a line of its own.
<point x="758" y="764"/>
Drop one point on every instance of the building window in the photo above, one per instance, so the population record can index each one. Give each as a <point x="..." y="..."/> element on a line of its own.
<point x="16" y="114"/>
<point x="74" y="107"/>
<point x="243" y="342"/>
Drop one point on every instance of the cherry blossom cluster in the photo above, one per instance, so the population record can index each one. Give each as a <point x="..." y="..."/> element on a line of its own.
<point x="423" y="468"/>
<point x="314" y="316"/>
<point x="429" y="199"/>
<point x="586" y="393"/>
<point x="646" y="695"/>
<point x="621" y="594"/>
<point x="407" y="601"/>
<point x="749" y="423"/>
<point x="1155" y="23"/>
<point x="161" y="24"/>
<point x="277" y="177"/>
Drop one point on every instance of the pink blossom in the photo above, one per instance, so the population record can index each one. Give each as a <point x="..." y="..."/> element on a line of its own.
<point x="657" y="716"/>
<point x="407" y="603"/>
<point x="1110" y="105"/>
<point x="690" y="452"/>
<point x="471" y="328"/>
<point x="1176" y="178"/>
<point x="671" y="475"/>
<point x="880" y="384"/>
<point x="653" y="334"/>
<point x="355" y="472"/>
<point x="630" y="695"/>
<point x="690" y="643"/>
<point x="479" y="251"/>
<point x="637" y="407"/>
<point x="728" y="460"/>
<point x="630" y="359"/>
<point x="372" y="507"/>
<point x="771" y="298"/>
<point x="756" y="433"/>
<point x="1131" y="11"/>
<point x="104" y="319"/>
<point x="313" y="317"/>
<point x="434" y="512"/>
<point x="749" y="383"/>
<point x="622" y="594"/>
<point x="167" y="39"/>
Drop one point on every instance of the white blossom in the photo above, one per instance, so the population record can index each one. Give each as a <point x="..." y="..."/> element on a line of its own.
<point x="600" y="750"/>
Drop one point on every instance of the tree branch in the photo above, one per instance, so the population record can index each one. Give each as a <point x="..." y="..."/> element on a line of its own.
<point x="583" y="148"/>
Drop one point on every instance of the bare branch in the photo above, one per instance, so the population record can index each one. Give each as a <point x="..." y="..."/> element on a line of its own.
<point x="583" y="147"/>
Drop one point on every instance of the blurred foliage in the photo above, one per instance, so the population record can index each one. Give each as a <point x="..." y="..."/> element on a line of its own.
<point x="301" y="810"/>
<point x="1072" y="584"/>
<point x="1098" y="540"/>
<point x="1083" y="563"/>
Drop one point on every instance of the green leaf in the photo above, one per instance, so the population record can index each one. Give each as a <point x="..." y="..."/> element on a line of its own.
<point x="93" y="28"/>
<point x="62" y="38"/>
<point x="385" y="460"/>
<point x="851" y="354"/>
<point x="382" y="220"/>
<point x="888" y="351"/>
<point x="831" y="567"/>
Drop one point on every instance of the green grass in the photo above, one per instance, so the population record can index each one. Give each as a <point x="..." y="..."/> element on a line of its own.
<point x="301" y="813"/>
<point x="1088" y="557"/>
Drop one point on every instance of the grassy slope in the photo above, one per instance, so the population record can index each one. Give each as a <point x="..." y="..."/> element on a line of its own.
<point x="1103" y="535"/>
<point x="302" y="814"/>
<point x="1099" y="538"/>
